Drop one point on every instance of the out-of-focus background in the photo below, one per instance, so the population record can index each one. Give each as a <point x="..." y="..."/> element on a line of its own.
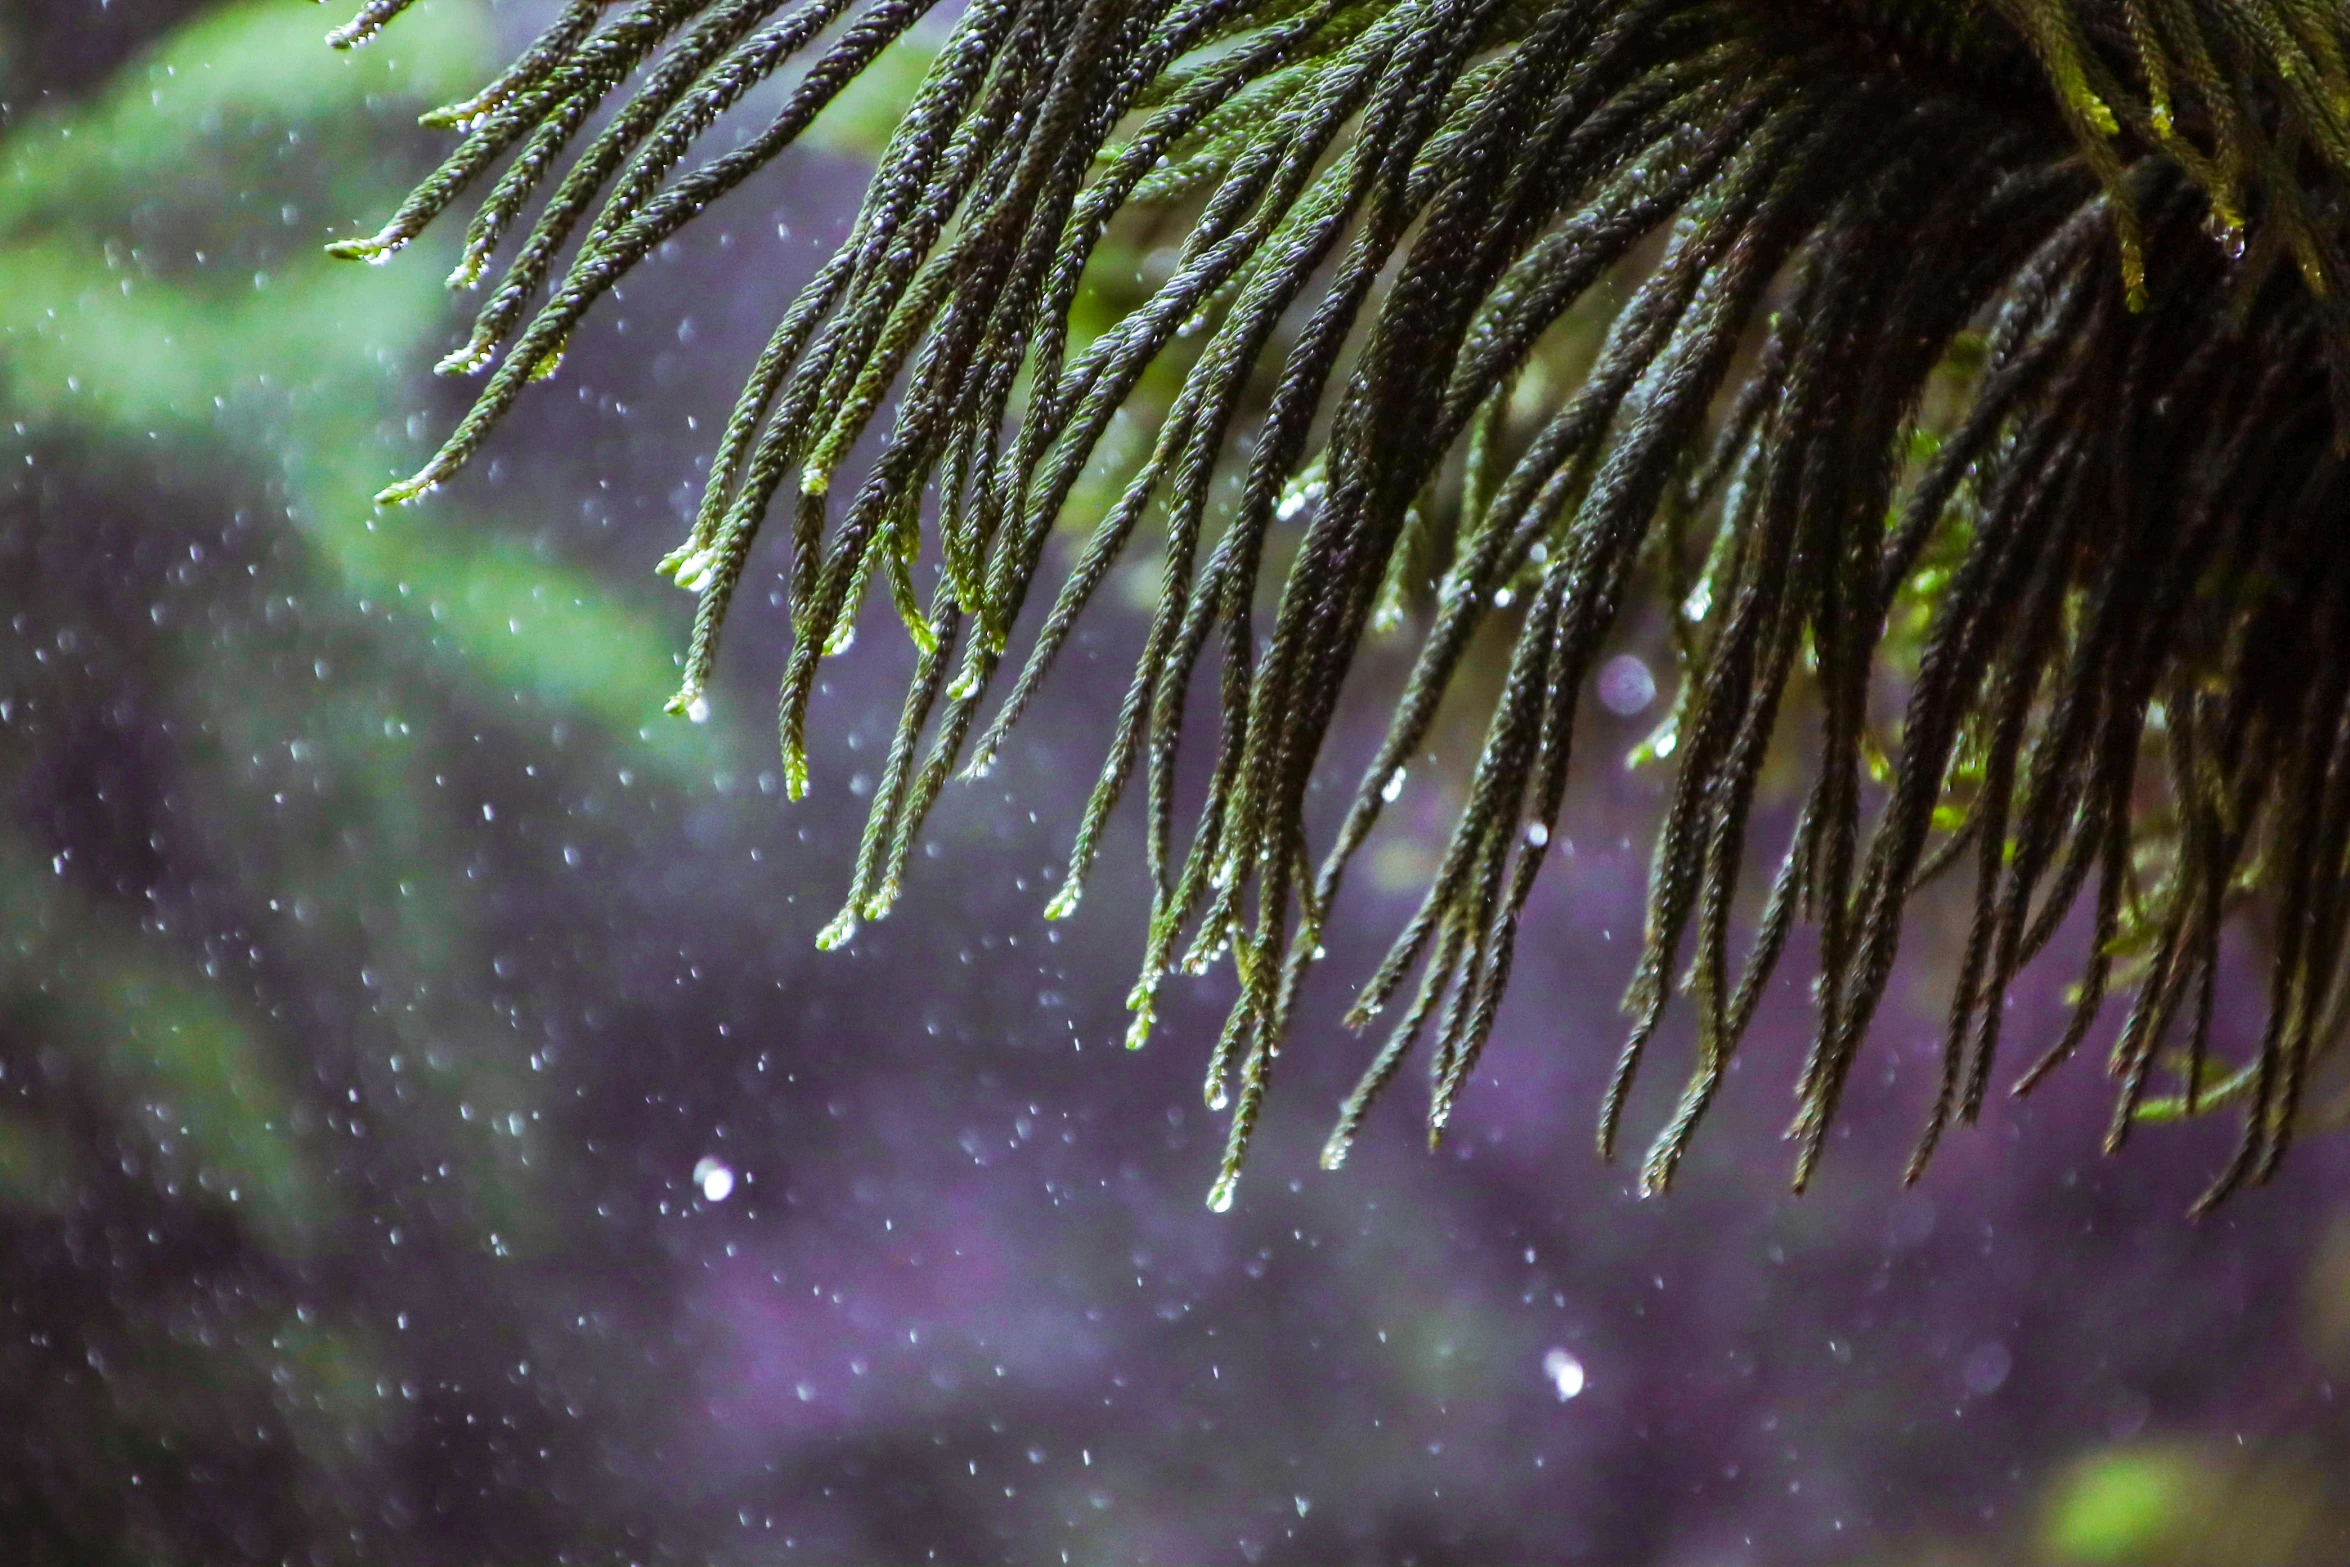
<point x="428" y="1133"/>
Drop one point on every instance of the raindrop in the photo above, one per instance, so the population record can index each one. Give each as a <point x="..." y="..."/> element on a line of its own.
<point x="1986" y="1368"/>
<point x="715" y="1179"/>
<point x="1565" y="1373"/>
<point x="1625" y="686"/>
<point x="2228" y="236"/>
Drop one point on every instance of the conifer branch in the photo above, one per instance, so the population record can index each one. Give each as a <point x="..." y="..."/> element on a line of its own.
<point x="2119" y="575"/>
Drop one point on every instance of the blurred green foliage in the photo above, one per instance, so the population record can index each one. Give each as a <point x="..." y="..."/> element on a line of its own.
<point x="2122" y="1506"/>
<point x="164" y="308"/>
<point x="160" y="275"/>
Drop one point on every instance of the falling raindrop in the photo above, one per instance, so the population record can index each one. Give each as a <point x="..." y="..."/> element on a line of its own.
<point x="1565" y="1373"/>
<point x="715" y="1179"/>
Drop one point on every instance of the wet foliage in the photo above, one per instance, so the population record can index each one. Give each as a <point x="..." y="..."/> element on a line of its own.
<point x="2127" y="675"/>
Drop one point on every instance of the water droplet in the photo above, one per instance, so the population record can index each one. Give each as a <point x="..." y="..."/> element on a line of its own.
<point x="698" y="710"/>
<point x="1625" y="686"/>
<point x="1565" y="1373"/>
<point x="1986" y="1367"/>
<point x="2127" y="1414"/>
<point x="2229" y="236"/>
<point x="716" y="1179"/>
<point x="1393" y="787"/>
<point x="1297" y="495"/>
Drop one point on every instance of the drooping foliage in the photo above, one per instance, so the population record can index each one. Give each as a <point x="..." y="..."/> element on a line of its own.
<point x="2113" y="579"/>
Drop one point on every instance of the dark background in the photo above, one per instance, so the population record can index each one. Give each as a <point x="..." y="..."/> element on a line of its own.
<point x="383" y="979"/>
